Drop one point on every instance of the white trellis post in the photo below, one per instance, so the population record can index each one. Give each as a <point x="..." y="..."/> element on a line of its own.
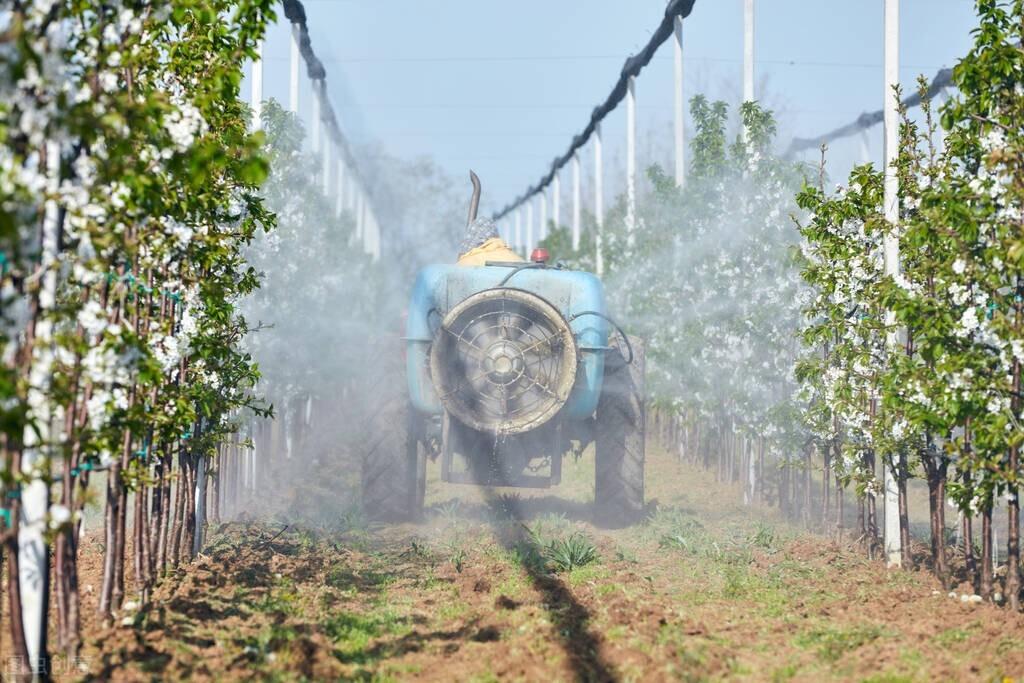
<point x="891" y="248"/>
<point x="556" y="201"/>
<point x="680" y="105"/>
<point x="293" y="72"/>
<point x="529" y="227"/>
<point x="518" y="242"/>
<point x="748" y="50"/>
<point x="631" y="159"/>
<point x="256" y="88"/>
<point x="314" y="125"/>
<point x="598" y="199"/>
<point x="33" y="555"/>
<point x="865" y="146"/>
<point x="542" y="199"/>
<point x="748" y="56"/>
<point x="327" y="167"/>
<point x="575" y="201"/>
<point x="360" y="216"/>
<point x="339" y="200"/>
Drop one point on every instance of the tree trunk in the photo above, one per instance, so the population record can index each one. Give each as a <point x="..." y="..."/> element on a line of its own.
<point x="19" y="646"/>
<point x="936" y="475"/>
<point x="906" y="552"/>
<point x="969" y="560"/>
<point x="986" y="550"/>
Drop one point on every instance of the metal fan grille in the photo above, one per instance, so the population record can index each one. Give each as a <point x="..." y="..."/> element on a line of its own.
<point x="504" y="361"/>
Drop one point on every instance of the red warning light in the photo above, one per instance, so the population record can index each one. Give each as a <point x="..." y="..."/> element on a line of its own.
<point x="540" y="255"/>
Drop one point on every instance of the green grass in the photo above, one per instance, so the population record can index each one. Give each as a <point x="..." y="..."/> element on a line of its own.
<point x="831" y="642"/>
<point x="353" y="633"/>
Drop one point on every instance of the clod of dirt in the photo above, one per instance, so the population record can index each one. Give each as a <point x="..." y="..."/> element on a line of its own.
<point x="482" y="586"/>
<point x="505" y="602"/>
<point x="488" y="634"/>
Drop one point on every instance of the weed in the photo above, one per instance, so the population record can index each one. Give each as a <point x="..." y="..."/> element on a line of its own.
<point x="954" y="635"/>
<point x="353" y="521"/>
<point x="763" y="537"/>
<point x="449" y="511"/>
<point x="507" y="506"/>
<point x="281" y="599"/>
<point x="564" y="555"/>
<point x="458" y="559"/>
<point x="626" y="555"/>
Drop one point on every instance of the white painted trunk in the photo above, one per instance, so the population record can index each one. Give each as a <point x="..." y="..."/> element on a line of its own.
<point x="200" y="510"/>
<point x="33" y="553"/>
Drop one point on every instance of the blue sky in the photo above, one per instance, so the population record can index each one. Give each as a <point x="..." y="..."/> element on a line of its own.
<point x="501" y="87"/>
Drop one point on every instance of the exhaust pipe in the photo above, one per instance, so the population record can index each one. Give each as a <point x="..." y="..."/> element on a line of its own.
<point x="474" y="202"/>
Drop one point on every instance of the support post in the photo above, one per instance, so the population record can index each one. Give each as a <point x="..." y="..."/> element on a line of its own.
<point x="256" y="88"/>
<point x="680" y="103"/>
<point x="748" y="57"/>
<point x="865" y="147"/>
<point x="293" y="72"/>
<point x="518" y="242"/>
<point x="556" y="201"/>
<point x="327" y="168"/>
<point x="360" y="217"/>
<point x="576" y="201"/>
<point x="542" y="199"/>
<point x="748" y="50"/>
<point x="893" y="548"/>
<point x="528" y="246"/>
<point x="339" y="200"/>
<point x="598" y="200"/>
<point x="314" y="125"/>
<point x="631" y="160"/>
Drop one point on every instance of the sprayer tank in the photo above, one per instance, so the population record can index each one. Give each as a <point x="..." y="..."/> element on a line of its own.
<point x="576" y="295"/>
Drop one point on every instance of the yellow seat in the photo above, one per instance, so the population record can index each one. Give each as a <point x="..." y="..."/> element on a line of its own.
<point x="494" y="249"/>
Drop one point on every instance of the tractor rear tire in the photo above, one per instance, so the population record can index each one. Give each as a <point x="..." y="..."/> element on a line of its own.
<point x="394" y="462"/>
<point x="619" y="437"/>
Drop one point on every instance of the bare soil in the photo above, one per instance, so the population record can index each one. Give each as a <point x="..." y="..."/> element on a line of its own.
<point x="704" y="589"/>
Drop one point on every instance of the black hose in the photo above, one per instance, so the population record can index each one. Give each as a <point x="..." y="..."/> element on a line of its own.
<point x="625" y="339"/>
<point x="525" y="266"/>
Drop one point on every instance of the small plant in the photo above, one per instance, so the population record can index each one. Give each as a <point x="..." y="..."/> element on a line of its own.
<point x="507" y="506"/>
<point x="458" y="559"/>
<point x="449" y="511"/>
<point x="763" y="537"/>
<point x="564" y="555"/>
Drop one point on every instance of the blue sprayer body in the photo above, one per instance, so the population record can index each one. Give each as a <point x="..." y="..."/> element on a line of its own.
<point x="438" y="288"/>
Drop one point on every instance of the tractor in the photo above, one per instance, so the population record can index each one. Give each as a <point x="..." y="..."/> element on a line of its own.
<point x="510" y="366"/>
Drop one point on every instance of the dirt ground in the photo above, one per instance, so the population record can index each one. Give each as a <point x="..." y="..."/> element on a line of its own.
<point x="704" y="589"/>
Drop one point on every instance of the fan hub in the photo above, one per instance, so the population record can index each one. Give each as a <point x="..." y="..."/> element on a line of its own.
<point x="503" y="362"/>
